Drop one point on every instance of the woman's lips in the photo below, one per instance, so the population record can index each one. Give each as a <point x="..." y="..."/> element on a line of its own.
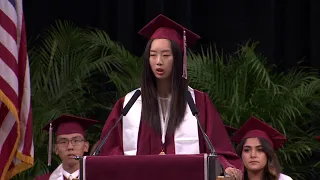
<point x="159" y="71"/>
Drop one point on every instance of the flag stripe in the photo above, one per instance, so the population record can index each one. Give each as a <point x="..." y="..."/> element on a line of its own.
<point x="24" y="102"/>
<point x="26" y="148"/>
<point x="22" y="69"/>
<point x="5" y="129"/>
<point x="25" y="116"/>
<point x="24" y="92"/>
<point x="8" y="141"/>
<point x="19" y="24"/>
<point x="6" y="151"/>
<point x="6" y="89"/>
<point x="9" y="10"/>
<point x="8" y="25"/>
<point x="9" y="42"/>
<point x="8" y="59"/>
<point x="13" y="3"/>
<point x="3" y="112"/>
<point x="9" y="77"/>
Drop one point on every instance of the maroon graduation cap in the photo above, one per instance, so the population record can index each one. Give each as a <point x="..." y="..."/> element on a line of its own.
<point x="67" y="124"/>
<point x="257" y="128"/>
<point x="230" y="129"/>
<point x="318" y="138"/>
<point x="162" y="27"/>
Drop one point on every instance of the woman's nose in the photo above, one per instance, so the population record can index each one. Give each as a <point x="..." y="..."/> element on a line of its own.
<point x="253" y="153"/>
<point x="159" y="60"/>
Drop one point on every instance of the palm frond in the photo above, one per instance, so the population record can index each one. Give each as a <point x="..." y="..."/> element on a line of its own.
<point x="242" y="85"/>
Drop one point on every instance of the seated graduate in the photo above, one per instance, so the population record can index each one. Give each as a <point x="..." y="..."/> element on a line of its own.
<point x="160" y="121"/>
<point x="70" y="142"/>
<point x="257" y="143"/>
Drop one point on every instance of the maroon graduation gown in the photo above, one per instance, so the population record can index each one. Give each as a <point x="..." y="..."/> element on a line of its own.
<point x="149" y="142"/>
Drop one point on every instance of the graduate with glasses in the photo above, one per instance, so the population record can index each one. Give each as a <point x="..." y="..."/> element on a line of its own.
<point x="70" y="141"/>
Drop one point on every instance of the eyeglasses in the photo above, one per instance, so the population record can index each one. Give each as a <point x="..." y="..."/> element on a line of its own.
<point x="75" y="142"/>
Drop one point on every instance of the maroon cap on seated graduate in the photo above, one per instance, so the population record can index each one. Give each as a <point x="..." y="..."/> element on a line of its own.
<point x="256" y="128"/>
<point x="318" y="138"/>
<point x="67" y="124"/>
<point x="161" y="27"/>
<point x="230" y="129"/>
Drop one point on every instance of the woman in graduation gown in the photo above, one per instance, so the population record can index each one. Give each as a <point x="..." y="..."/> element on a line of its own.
<point x="257" y="143"/>
<point x="160" y="121"/>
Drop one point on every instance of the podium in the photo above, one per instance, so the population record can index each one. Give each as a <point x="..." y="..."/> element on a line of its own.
<point x="146" y="167"/>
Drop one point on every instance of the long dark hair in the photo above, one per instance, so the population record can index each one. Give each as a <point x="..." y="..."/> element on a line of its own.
<point x="149" y="95"/>
<point x="272" y="169"/>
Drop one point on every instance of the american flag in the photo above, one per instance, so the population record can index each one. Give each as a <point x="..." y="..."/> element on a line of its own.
<point x="16" y="141"/>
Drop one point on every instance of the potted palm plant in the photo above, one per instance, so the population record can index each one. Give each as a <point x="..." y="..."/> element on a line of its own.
<point x="73" y="70"/>
<point x="243" y="85"/>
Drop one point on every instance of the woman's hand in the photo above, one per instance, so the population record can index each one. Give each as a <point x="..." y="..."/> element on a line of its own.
<point x="234" y="172"/>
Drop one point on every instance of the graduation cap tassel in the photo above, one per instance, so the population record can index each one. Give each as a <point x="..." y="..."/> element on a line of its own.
<point x="184" y="55"/>
<point x="50" y="145"/>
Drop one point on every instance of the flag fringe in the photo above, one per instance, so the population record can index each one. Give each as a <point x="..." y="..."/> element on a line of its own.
<point x="27" y="162"/>
<point x="13" y="110"/>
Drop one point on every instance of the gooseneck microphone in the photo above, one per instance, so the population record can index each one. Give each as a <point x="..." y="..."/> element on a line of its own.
<point x="124" y="112"/>
<point x="195" y="113"/>
<point x="214" y="167"/>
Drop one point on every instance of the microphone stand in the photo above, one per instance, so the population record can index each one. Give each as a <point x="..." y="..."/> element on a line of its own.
<point x="124" y="112"/>
<point x="98" y="149"/>
<point x="80" y="159"/>
<point x="212" y="156"/>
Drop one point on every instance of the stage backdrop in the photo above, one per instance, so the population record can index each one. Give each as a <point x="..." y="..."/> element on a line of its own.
<point x="288" y="31"/>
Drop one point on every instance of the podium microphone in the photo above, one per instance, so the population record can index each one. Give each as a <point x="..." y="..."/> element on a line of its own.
<point x="213" y="164"/>
<point x="124" y="112"/>
<point x="195" y="113"/>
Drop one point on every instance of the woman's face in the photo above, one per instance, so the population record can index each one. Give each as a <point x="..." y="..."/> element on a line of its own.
<point x="161" y="59"/>
<point x="253" y="156"/>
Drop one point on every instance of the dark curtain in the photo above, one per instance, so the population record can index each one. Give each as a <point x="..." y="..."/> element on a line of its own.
<point x="288" y="31"/>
